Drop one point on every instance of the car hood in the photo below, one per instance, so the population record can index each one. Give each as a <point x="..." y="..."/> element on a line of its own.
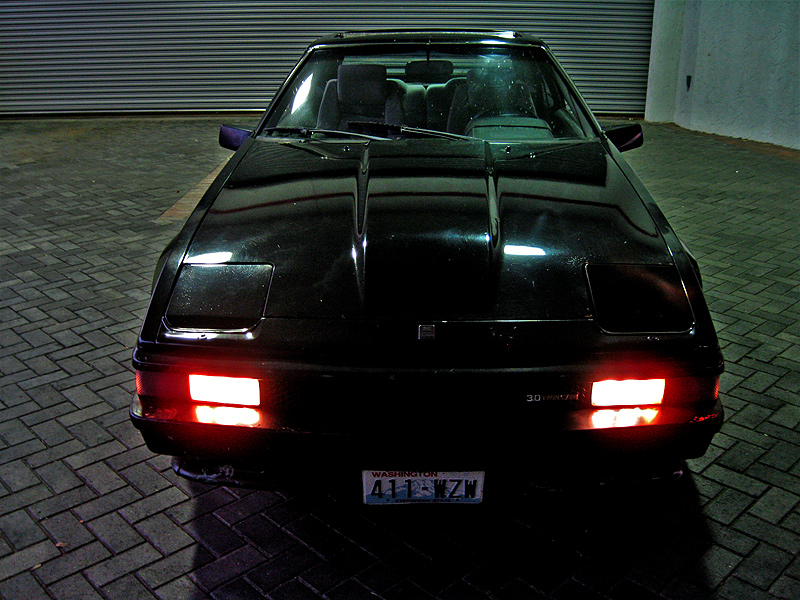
<point x="435" y="229"/>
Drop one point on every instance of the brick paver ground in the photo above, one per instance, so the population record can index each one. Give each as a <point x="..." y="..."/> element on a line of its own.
<point x="87" y="512"/>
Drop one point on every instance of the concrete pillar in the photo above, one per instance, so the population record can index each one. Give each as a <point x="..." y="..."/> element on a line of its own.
<point x="730" y="67"/>
<point x="665" y="58"/>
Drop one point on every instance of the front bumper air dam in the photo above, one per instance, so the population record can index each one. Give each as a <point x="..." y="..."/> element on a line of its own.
<point x="250" y="457"/>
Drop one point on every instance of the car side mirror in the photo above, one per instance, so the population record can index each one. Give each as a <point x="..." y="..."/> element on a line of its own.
<point x="625" y="137"/>
<point x="232" y="137"/>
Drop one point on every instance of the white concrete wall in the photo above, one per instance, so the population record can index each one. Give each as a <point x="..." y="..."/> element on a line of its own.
<point x="743" y="58"/>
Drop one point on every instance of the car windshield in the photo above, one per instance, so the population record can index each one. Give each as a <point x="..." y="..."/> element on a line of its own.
<point x="503" y="93"/>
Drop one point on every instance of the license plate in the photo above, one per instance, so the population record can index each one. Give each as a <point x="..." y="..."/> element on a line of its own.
<point x="413" y="487"/>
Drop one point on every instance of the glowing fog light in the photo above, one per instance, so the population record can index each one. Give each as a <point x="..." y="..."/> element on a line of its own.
<point x="628" y="392"/>
<point x="624" y="417"/>
<point x="224" y="390"/>
<point x="226" y="415"/>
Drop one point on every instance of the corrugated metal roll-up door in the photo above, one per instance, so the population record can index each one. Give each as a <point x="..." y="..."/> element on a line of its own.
<point x="140" y="56"/>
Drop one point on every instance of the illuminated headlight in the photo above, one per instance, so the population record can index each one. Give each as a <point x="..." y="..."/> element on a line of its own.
<point x="238" y="391"/>
<point x="628" y="392"/>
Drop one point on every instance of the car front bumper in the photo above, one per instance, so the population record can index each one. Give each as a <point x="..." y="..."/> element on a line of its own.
<point x="574" y="447"/>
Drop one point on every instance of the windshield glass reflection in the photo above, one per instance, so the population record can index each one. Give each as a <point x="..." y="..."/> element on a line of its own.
<point x="496" y="94"/>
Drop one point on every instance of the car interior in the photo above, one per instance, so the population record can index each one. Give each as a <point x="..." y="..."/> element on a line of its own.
<point x="498" y="100"/>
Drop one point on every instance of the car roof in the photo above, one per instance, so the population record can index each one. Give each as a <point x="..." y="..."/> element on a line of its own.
<point x="428" y="36"/>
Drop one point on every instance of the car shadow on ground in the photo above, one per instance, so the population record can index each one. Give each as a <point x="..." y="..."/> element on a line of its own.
<point x="580" y="541"/>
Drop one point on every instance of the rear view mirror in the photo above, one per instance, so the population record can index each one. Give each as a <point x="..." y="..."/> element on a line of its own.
<point x="429" y="71"/>
<point x="625" y="137"/>
<point x="232" y="137"/>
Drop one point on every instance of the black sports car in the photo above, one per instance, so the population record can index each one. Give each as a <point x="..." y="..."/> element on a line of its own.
<point x="428" y="255"/>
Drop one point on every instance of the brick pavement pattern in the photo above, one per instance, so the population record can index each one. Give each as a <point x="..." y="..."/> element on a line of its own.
<point x="86" y="512"/>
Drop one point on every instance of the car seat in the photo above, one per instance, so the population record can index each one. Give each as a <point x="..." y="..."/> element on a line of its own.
<point x="360" y="92"/>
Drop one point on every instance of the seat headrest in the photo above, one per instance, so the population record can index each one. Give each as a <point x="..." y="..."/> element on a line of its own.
<point x="362" y="84"/>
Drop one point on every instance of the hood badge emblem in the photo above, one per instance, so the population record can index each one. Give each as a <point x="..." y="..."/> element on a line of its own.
<point x="426" y="332"/>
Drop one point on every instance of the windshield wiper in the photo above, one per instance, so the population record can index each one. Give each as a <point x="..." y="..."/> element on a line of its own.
<point x="370" y="130"/>
<point x="551" y="146"/>
<point x="308" y="132"/>
<point x="435" y="133"/>
<point x="391" y="129"/>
